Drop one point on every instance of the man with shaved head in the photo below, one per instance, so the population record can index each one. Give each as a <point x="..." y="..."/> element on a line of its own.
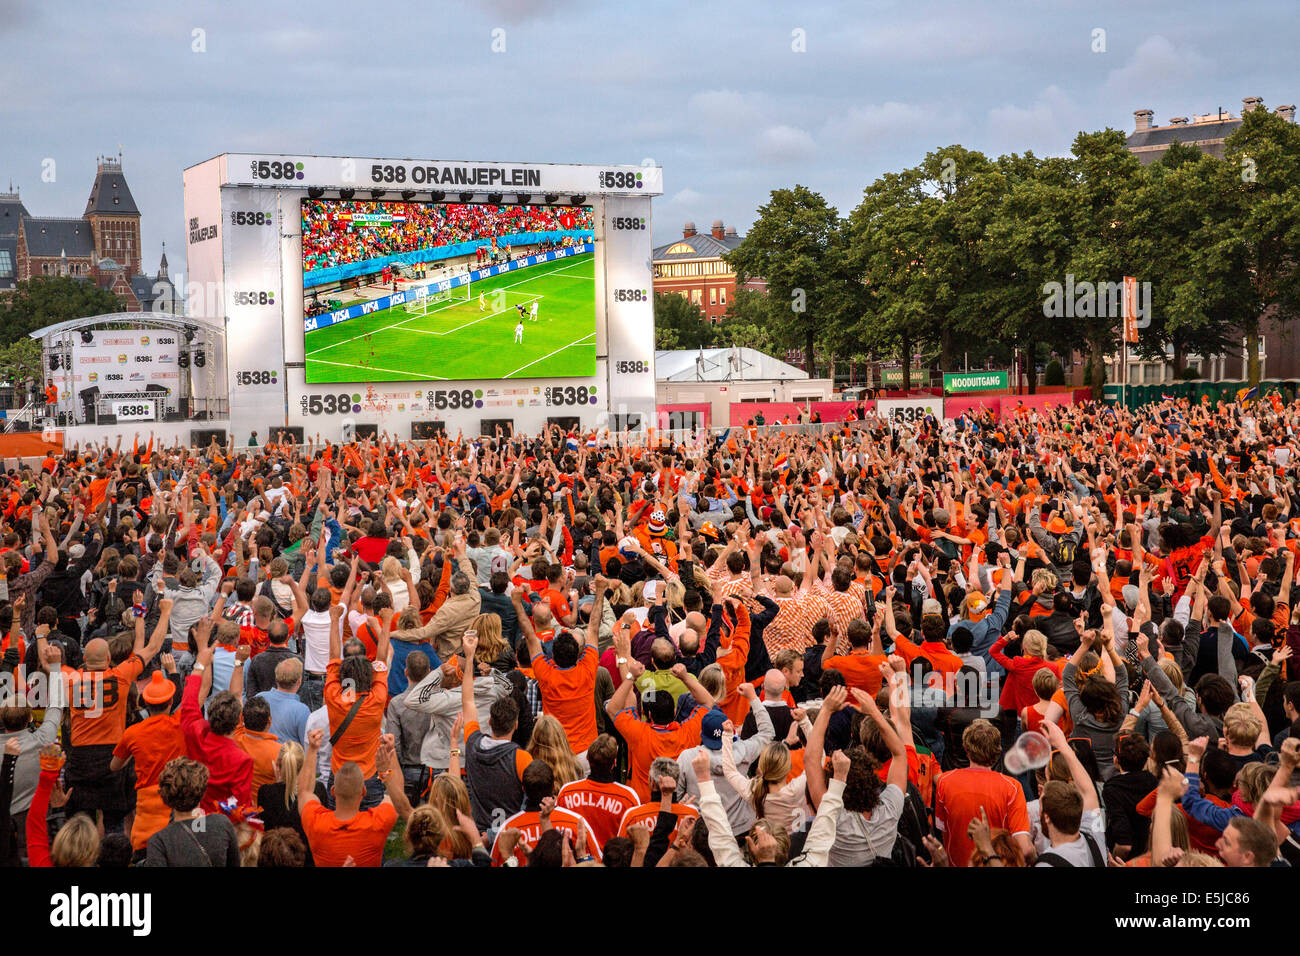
<point x="97" y="697"/>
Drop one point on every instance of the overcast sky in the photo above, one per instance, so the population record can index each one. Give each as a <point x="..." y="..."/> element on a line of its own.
<point x="714" y="92"/>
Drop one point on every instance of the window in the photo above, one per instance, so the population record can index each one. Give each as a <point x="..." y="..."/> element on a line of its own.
<point x="722" y="295"/>
<point x="697" y="296"/>
<point x="6" y="263"/>
<point x="713" y="296"/>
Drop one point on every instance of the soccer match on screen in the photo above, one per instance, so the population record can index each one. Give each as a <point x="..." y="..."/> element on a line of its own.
<point x="445" y="291"/>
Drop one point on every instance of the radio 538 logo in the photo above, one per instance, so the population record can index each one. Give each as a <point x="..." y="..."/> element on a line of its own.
<point x="255" y="298"/>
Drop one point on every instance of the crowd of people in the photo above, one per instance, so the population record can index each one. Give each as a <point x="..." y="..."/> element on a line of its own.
<point x="338" y="232"/>
<point x="1064" y="638"/>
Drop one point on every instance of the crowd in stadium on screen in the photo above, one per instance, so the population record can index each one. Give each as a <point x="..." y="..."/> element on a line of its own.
<point x="331" y="236"/>
<point x="1059" y="638"/>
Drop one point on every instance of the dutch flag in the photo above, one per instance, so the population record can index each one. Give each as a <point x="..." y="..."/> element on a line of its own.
<point x="571" y="443"/>
<point x="783" y="463"/>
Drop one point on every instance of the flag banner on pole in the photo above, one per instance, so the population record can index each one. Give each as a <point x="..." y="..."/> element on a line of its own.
<point x="1130" y="310"/>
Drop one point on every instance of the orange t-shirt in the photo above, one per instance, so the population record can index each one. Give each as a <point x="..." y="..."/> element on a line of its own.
<point x="645" y="742"/>
<point x="861" y="669"/>
<point x="648" y="813"/>
<point x="97" y="700"/>
<point x="602" y="805"/>
<point x="263" y="747"/>
<point x="529" y="822"/>
<point x="569" y="695"/>
<point x="962" y="793"/>
<point x="333" y="840"/>
<point x="151" y="743"/>
<point x="361" y="740"/>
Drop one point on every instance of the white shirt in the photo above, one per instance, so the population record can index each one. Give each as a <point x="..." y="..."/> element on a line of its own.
<point x="1077" y="853"/>
<point x="320" y="720"/>
<point x="316" y="641"/>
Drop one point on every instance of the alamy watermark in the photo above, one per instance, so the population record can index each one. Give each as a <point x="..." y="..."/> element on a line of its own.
<point x="1095" y="300"/>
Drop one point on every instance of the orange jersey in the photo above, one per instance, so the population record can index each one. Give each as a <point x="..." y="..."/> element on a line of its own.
<point x="602" y="805"/>
<point x="529" y="822"/>
<point x="568" y="694"/>
<point x="98" y="701"/>
<point x="648" y="813"/>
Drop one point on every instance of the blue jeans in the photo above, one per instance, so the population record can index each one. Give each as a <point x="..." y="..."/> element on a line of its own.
<point x="312" y="691"/>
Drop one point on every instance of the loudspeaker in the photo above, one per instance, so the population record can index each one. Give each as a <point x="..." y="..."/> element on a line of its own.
<point x="420" y="430"/>
<point x="365" y="431"/>
<point x="202" y="437"/>
<point x="488" y="427"/>
<point x="567" y="422"/>
<point x="629" y="423"/>
<point x="173" y="416"/>
<point x="108" y="418"/>
<point x="294" y="430"/>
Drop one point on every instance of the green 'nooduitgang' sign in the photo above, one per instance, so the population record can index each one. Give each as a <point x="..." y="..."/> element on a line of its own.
<point x="974" y="381"/>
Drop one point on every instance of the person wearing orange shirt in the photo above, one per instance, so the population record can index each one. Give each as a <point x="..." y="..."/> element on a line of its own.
<point x="255" y="739"/>
<point x="600" y="799"/>
<point x="151" y="744"/>
<point x="662" y="735"/>
<point x="346" y="833"/>
<point x="861" y="666"/>
<point x="540" y="813"/>
<point x="568" y="681"/>
<point x="97" y="702"/>
<point x="666" y="775"/>
<point x="356" y="696"/>
<point x="961" y="794"/>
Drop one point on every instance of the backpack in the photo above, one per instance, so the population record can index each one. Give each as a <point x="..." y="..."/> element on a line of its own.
<point x="1052" y="858"/>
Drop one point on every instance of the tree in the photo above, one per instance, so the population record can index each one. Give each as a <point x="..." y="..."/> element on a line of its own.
<point x="1260" y="180"/>
<point x="47" y="300"/>
<point x="679" y="324"/>
<point x="20" y="361"/>
<point x="791" y="245"/>
<point x="1172" y="214"/>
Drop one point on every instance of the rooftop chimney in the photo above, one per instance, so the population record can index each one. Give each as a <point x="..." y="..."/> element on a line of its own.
<point x="717" y="230"/>
<point x="688" y="230"/>
<point x="1178" y="121"/>
<point x="1143" y="119"/>
<point x="1286" y="112"/>
<point x="1249" y="103"/>
<point x="730" y="231"/>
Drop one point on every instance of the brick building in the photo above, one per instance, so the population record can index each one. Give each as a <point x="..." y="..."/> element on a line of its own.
<point x="693" y="266"/>
<point x="102" y="246"/>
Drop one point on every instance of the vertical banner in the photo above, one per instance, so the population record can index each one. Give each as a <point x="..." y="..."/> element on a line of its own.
<point x="629" y="309"/>
<point x="254" y="297"/>
<point x="1130" y="310"/>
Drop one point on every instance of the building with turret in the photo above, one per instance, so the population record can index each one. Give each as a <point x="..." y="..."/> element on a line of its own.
<point x="101" y="246"/>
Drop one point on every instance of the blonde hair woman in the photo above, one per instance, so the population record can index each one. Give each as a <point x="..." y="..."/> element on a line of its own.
<point x="491" y="644"/>
<point x="768" y="792"/>
<point x="447" y="795"/>
<point x="76" y="843"/>
<point x="390" y="570"/>
<point x="550" y="743"/>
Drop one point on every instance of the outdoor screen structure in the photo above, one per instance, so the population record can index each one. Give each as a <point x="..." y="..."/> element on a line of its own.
<point x="436" y="291"/>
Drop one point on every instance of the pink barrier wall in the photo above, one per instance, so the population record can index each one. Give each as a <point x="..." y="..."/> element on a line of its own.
<point x="663" y="411"/>
<point x="952" y="407"/>
<point x="741" y="412"/>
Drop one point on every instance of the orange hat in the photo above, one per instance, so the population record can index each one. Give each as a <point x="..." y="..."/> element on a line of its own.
<point x="1057" y="526"/>
<point x="977" y="605"/>
<point x="159" y="690"/>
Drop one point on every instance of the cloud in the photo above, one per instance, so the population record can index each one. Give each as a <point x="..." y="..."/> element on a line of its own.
<point x="1157" y="66"/>
<point x="785" y="144"/>
<point x="724" y="110"/>
<point x="1048" y="125"/>
<point x="872" y="123"/>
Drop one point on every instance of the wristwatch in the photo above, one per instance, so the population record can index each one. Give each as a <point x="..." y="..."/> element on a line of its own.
<point x="240" y="663"/>
<point x="621" y="661"/>
<point x="198" y="669"/>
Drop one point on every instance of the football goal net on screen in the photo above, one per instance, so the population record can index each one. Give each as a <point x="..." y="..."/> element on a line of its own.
<point x="451" y="288"/>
